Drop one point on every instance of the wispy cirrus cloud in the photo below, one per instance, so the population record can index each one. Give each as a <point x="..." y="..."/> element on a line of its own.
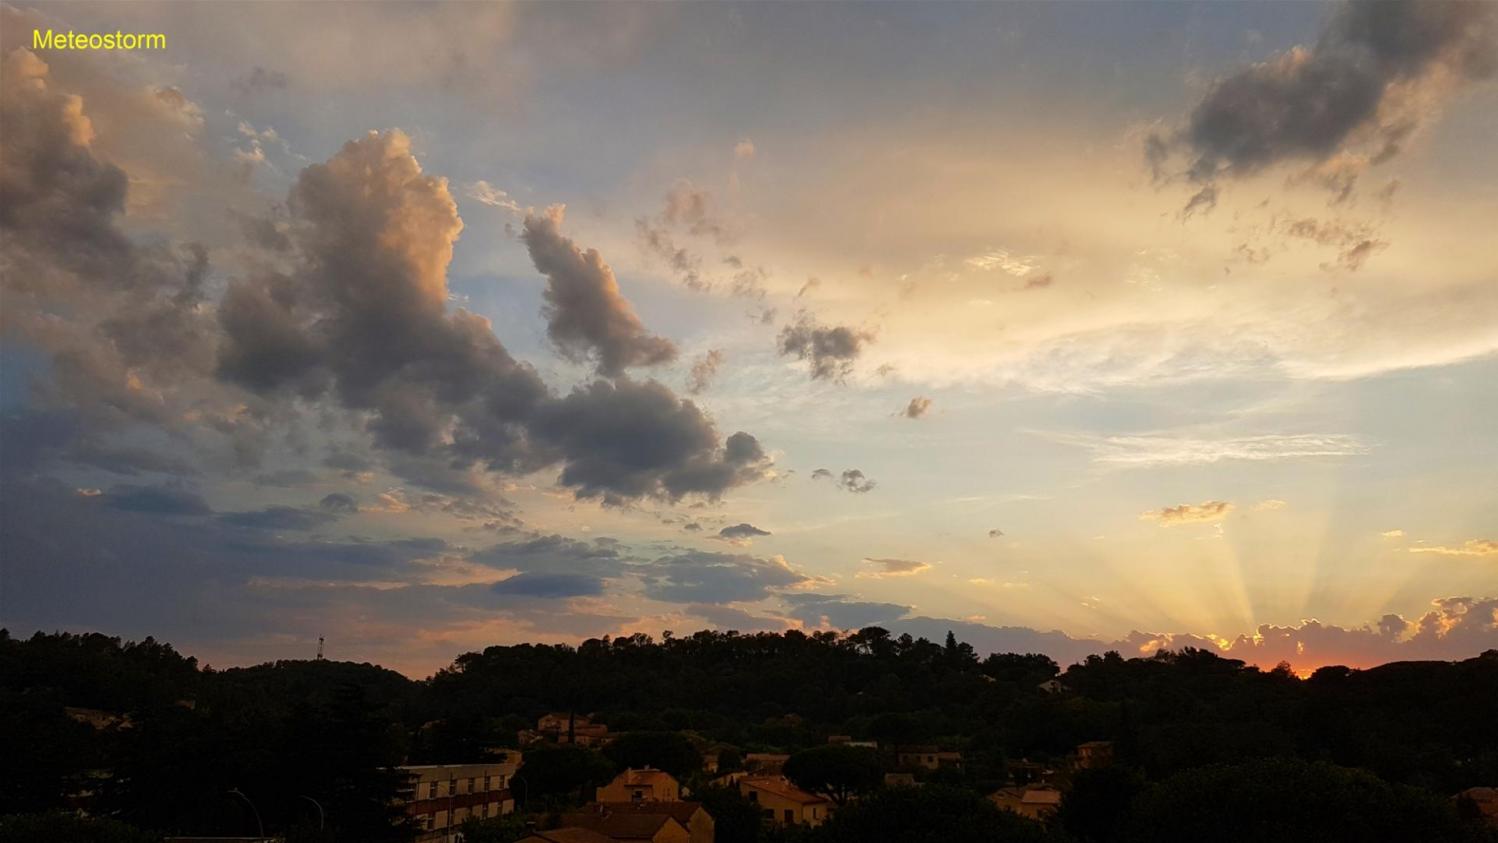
<point x="1189" y="513"/>
<point x="1471" y="547"/>
<point x="1145" y="451"/>
<point x="881" y="568"/>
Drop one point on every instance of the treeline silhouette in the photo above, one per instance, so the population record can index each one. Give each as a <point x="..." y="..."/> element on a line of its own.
<point x="1201" y="742"/>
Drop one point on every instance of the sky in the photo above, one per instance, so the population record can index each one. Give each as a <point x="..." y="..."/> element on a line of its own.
<point x="1064" y="326"/>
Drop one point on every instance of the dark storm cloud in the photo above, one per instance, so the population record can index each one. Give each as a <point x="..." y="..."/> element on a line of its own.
<point x="702" y="577"/>
<point x="742" y="531"/>
<point x="839" y="612"/>
<point x="587" y="316"/>
<point x="1355" y="86"/>
<point x="830" y="350"/>
<point x="550" y="586"/>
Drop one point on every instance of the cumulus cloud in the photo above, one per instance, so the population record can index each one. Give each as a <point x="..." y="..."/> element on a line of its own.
<point x="831" y="350"/>
<point x="1471" y="547"/>
<point x="1455" y="628"/>
<point x="916" y="408"/>
<point x="587" y="315"/>
<point x="893" y="568"/>
<point x="995" y="533"/>
<point x="366" y="319"/>
<point x="1354" y="96"/>
<point x="704" y="368"/>
<point x="1189" y="513"/>
<point x="851" y="480"/>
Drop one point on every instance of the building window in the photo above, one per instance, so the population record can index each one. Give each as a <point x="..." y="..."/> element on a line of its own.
<point x="431" y="790"/>
<point x="452" y="786"/>
<point x="471" y="783"/>
<point x="753" y="796"/>
<point x="790" y="816"/>
<point x="486" y="783"/>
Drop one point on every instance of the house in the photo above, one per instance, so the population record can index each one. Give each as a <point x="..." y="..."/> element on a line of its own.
<point x="1094" y="754"/>
<point x="644" y="785"/>
<point x="439" y="797"/>
<point x="783" y="803"/>
<point x="566" y="727"/>
<point x="847" y="740"/>
<point x="1038" y="802"/>
<point x="614" y="819"/>
<point x="899" y="780"/>
<point x="565" y="835"/>
<point x="1051" y="686"/>
<point x="1479" y="802"/>
<point x="768" y="763"/>
<point x="630" y="828"/>
<point x="928" y="757"/>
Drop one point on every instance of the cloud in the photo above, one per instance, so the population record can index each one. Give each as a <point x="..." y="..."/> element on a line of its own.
<point x="916" y="408"/>
<point x="995" y="533"/>
<point x="260" y="80"/>
<point x="1154" y="450"/>
<point x="340" y="503"/>
<point x="550" y="586"/>
<point x="691" y="208"/>
<point x="1354" y="242"/>
<point x="851" y="480"/>
<point x="1455" y="628"/>
<point x="555" y="554"/>
<point x="1472" y="547"/>
<point x="1359" y="92"/>
<point x="1188" y="513"/>
<point x="743" y="532"/>
<point x="279" y="518"/>
<point x="831" y="350"/>
<point x="365" y="318"/>
<point x="835" y="610"/>
<point x="716" y="578"/>
<point x="1392" y="534"/>
<point x="743" y="150"/>
<point x="1269" y="505"/>
<point x="587" y="316"/>
<point x="160" y="500"/>
<point x="703" y="370"/>
<point x="487" y="194"/>
<point x="729" y="618"/>
<point x="893" y="568"/>
<point x="630" y="440"/>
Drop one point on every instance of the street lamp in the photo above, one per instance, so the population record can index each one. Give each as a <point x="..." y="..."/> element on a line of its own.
<point x="322" y="818"/>
<point x="258" y="824"/>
